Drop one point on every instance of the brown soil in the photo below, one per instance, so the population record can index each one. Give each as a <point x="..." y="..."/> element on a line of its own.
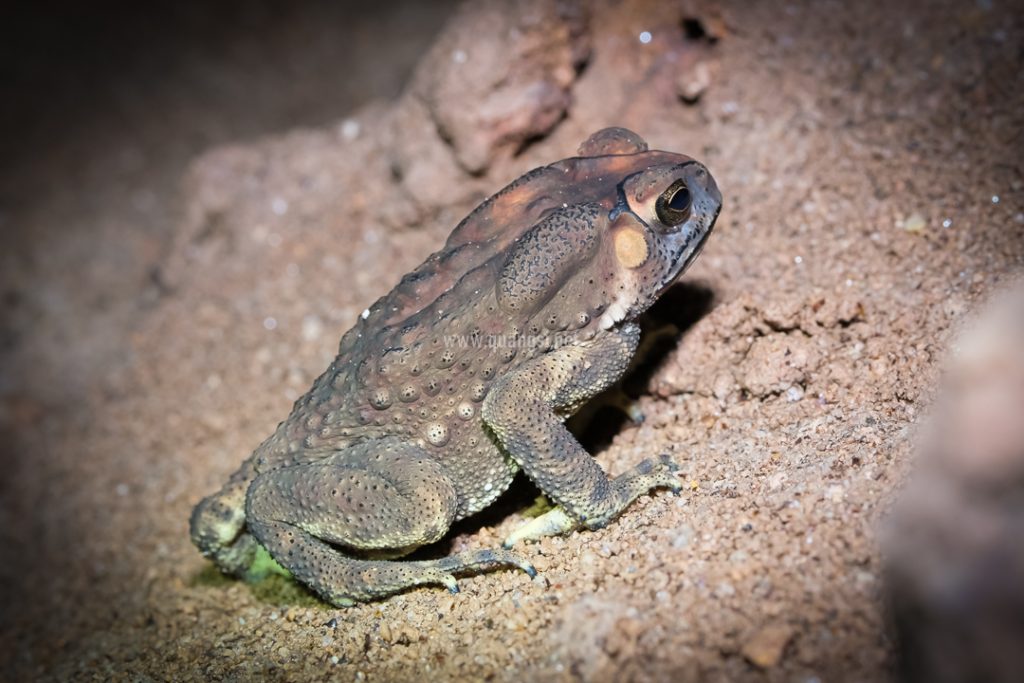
<point x="861" y="149"/>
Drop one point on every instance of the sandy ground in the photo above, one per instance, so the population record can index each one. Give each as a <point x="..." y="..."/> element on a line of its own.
<point x="869" y="157"/>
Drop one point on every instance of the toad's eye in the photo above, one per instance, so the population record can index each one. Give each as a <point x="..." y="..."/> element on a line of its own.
<point x="673" y="206"/>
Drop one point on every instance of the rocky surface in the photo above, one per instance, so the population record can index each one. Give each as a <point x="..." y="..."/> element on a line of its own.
<point x="868" y="155"/>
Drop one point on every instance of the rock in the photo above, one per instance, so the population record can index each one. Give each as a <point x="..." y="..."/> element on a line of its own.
<point x="915" y="224"/>
<point x="515" y="62"/>
<point x="954" y="543"/>
<point x="764" y="649"/>
<point x="691" y="84"/>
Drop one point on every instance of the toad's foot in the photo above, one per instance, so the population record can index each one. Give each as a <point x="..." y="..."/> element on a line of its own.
<point x="444" y="570"/>
<point x="475" y="561"/>
<point x="646" y="476"/>
<point x="554" y="522"/>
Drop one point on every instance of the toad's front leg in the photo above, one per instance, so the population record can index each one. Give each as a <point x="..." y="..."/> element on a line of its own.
<point x="525" y="409"/>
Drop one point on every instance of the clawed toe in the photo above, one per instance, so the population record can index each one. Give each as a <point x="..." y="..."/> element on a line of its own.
<point x="663" y="463"/>
<point x="666" y="462"/>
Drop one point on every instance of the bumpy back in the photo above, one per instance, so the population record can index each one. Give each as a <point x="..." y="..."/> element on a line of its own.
<point x="484" y="236"/>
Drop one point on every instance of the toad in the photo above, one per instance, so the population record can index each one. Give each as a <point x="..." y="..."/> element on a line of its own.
<point x="464" y="374"/>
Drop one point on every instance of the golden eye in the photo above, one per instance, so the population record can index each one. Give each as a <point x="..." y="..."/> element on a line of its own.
<point x="673" y="206"/>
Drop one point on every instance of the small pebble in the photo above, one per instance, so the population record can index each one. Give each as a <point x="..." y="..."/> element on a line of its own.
<point x="350" y="129"/>
<point x="915" y="224"/>
<point x="765" y="648"/>
<point x="312" y="328"/>
<point x="725" y="590"/>
<point x="589" y="560"/>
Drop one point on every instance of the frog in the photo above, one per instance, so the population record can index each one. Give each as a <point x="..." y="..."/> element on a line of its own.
<point x="463" y="375"/>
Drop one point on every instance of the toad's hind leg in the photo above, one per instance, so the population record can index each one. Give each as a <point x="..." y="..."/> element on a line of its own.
<point x="381" y="498"/>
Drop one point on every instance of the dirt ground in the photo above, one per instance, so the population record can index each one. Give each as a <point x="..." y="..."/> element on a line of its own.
<point x="869" y="157"/>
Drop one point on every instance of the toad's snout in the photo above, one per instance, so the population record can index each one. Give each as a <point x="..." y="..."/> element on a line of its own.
<point x="707" y="198"/>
